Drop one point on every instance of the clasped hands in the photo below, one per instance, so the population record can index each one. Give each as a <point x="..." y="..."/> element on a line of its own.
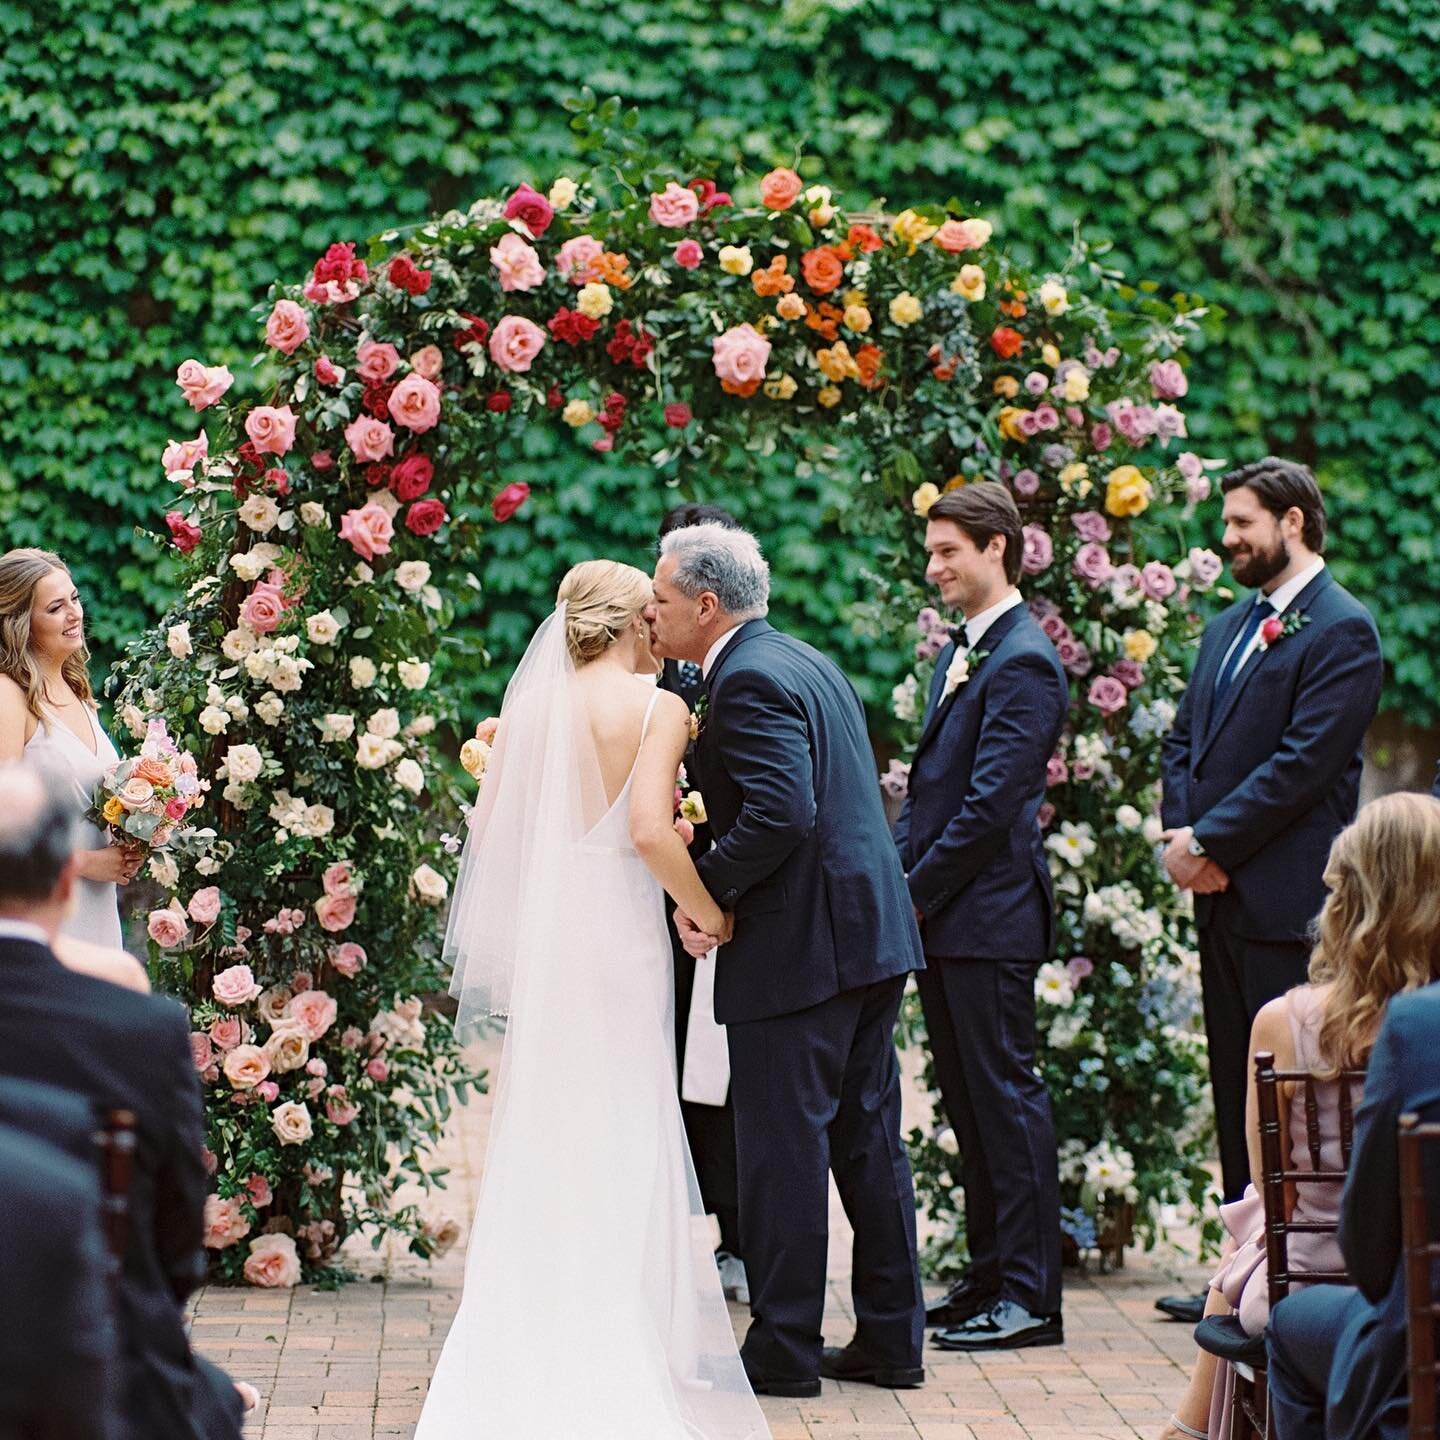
<point x="1197" y="873"/>
<point x="698" y="942"/>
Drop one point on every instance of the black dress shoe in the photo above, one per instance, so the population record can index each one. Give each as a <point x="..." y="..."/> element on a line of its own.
<point x="852" y="1363"/>
<point x="786" y="1389"/>
<point x="965" y="1298"/>
<point x="1189" y="1308"/>
<point x="1004" y="1326"/>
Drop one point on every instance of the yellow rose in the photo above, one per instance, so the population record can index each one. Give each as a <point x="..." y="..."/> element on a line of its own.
<point x="822" y="215"/>
<point x="578" y="413"/>
<point x="1075" y="479"/>
<point x="924" y="498"/>
<point x="1007" y="387"/>
<point x="911" y="229"/>
<point x="736" y="259"/>
<point x="1050" y="355"/>
<point x="970" y="282"/>
<point x="1139" y="645"/>
<point x="562" y="192"/>
<point x="780" y="387"/>
<point x="1127" y="491"/>
<point x="1077" y="385"/>
<point x="854" y="297"/>
<point x="980" y="230"/>
<point x="857" y="318"/>
<point x="595" y="300"/>
<point x="1053" y="297"/>
<point x="837" y="363"/>
<point x="113" y="811"/>
<point x="474" y="757"/>
<point x="1009" y="422"/>
<point x="790" y="307"/>
<point x="828" y="396"/>
<point x="905" y="309"/>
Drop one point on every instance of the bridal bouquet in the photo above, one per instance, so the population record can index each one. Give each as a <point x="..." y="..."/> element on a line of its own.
<point x="142" y="800"/>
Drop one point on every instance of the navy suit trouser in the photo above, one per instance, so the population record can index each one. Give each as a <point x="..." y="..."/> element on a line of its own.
<point x="1300" y="1340"/>
<point x="818" y="1091"/>
<point x="980" y="1019"/>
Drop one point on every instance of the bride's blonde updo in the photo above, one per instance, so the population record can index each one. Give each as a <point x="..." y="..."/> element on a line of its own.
<point x="601" y="598"/>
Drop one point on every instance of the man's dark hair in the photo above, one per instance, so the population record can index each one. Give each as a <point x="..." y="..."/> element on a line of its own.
<point x="982" y="511"/>
<point x="1280" y="485"/>
<point x="683" y="516"/>
<point x="38" y="811"/>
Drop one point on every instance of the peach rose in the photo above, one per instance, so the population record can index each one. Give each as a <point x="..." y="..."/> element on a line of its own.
<point x="225" y="1222"/>
<point x="739" y="359"/>
<point x="487" y="729"/>
<point x="376" y="362"/>
<point x="427" y="361"/>
<point x="167" y="928"/>
<point x="271" y="430"/>
<point x="246" y="1066"/>
<point x="348" y="959"/>
<point x="157" y="772"/>
<point x="203" y="385"/>
<point x="368" y="529"/>
<point x="335" y="912"/>
<point x="287" y="329"/>
<point x="518" y="264"/>
<point x="576" y="260"/>
<point x="235" y="986"/>
<point x="226" y="1033"/>
<point x="369" y="439"/>
<point x="204" y="906"/>
<point x="515" y="342"/>
<point x="415" y="403"/>
<point x="338" y="879"/>
<point x="273" y="1263"/>
<point x="955" y="236"/>
<point x="273" y="1003"/>
<point x="264" y="607"/>
<point x="259" y="1191"/>
<point x="674" y="207"/>
<point x="339" y="1108"/>
<point x="287" y="1049"/>
<point x="780" y="189"/>
<point x="291" y="1123"/>
<point x="202" y="1050"/>
<point x="314" y="1012"/>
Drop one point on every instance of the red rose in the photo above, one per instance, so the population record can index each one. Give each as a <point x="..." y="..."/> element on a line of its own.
<point x="278" y="481"/>
<point x="406" y="275"/>
<point x="377" y="475"/>
<point x="498" y="402"/>
<point x="425" y="517"/>
<point x="411" y="478"/>
<point x="339" y="264"/>
<point x="185" y="535"/>
<point x="1006" y="342"/>
<point x="555" y="398"/>
<point x="322" y="460"/>
<point x="605" y="442"/>
<point x="509" y="500"/>
<point x="710" y="197"/>
<point x="531" y="209"/>
<point x="326" y="372"/>
<point x="1272" y="629"/>
<point x="571" y="326"/>
<point x="376" y="401"/>
<point x="249" y="457"/>
<point x="677" y="415"/>
<point x="476" y="333"/>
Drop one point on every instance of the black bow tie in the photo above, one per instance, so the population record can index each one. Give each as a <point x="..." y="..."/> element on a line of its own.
<point x="960" y="637"/>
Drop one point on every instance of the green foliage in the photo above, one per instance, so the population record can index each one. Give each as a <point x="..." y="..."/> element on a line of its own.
<point x="162" y="164"/>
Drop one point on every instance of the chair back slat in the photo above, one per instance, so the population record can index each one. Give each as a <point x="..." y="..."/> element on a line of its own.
<point x="116" y="1142"/>
<point x="1348" y="1078"/>
<point x="1272" y="1176"/>
<point x="1312" y="1122"/>
<point x="1420" y="1248"/>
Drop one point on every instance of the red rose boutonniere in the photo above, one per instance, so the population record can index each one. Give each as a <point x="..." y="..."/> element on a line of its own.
<point x="1277" y="627"/>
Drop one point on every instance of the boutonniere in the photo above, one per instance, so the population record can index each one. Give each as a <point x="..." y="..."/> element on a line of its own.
<point x="698" y="714"/>
<point x="960" y="670"/>
<point x="1278" y="627"/>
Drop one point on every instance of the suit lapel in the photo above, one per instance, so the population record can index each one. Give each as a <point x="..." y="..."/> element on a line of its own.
<point x="1204" y="677"/>
<point x="989" y="643"/>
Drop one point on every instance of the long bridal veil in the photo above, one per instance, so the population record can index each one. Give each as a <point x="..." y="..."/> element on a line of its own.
<point x="592" y="1307"/>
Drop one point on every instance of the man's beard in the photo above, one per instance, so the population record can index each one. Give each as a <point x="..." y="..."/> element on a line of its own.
<point x="1260" y="566"/>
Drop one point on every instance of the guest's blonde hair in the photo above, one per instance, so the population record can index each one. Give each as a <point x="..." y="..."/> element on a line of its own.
<point x="20" y="572"/>
<point x="601" y="598"/>
<point x="1379" y="931"/>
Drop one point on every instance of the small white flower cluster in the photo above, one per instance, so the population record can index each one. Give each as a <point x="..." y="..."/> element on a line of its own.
<point x="1104" y="1169"/>
<point x="377" y="747"/>
<point x="220" y="710"/>
<point x="1066" y="1025"/>
<point x="904" y="699"/>
<point x="294" y="815"/>
<point x="277" y="667"/>
<point x="1072" y="844"/>
<point x="1122" y="910"/>
<point x="1053" y="985"/>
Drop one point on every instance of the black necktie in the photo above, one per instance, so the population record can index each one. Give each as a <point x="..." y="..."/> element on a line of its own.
<point x="689" y="674"/>
<point x="1260" y="611"/>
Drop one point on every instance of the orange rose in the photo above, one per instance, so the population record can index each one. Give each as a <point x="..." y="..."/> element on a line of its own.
<point x="780" y="189"/>
<point x="822" y="268"/>
<point x="837" y="362"/>
<point x="1013" y="308"/>
<point x="745" y="387"/>
<point x="823" y="319"/>
<point x="863" y="238"/>
<point x="773" y="280"/>
<point x="867" y="363"/>
<point x="155" y="771"/>
<point x="611" y="268"/>
<point x="1006" y="342"/>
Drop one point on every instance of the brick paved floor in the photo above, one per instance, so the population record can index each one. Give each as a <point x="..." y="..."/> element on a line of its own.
<point x="353" y="1364"/>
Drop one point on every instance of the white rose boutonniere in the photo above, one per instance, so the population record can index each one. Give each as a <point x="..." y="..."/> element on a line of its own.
<point x="961" y="667"/>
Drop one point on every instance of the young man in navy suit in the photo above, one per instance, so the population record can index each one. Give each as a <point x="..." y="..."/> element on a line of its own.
<point x="1262" y="771"/>
<point x="969" y="840"/>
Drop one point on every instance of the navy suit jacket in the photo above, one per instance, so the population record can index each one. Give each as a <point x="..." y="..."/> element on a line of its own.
<point x="1270" y="776"/>
<point x="969" y="837"/>
<point x="1368" y="1373"/>
<point x="802" y="853"/>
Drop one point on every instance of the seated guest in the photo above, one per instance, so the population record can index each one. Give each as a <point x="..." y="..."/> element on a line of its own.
<point x="116" y="1049"/>
<point x="118" y="967"/>
<point x="1378" y="934"/>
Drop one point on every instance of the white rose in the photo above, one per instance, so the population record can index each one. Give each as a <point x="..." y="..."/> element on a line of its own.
<point x="287" y="1049"/>
<point x="237" y="707"/>
<point x="133" y="719"/>
<point x="409" y="776"/>
<point x="412" y="575"/>
<point x="163" y="870"/>
<point x="291" y="1123"/>
<point x="258" y="663"/>
<point x="362" y="671"/>
<point x="385" y="723"/>
<point x="336" y="728"/>
<point x="313" y="514"/>
<point x="213" y="720"/>
<point x="1152" y="829"/>
<point x="362" y="574"/>
<point x="319" y="821"/>
<point x="270" y="707"/>
<point x="323" y="628"/>
<point x="238" y="643"/>
<point x="375" y="752"/>
<point x="562" y="193"/>
<point x="430" y="887"/>
<point x="288" y="674"/>
<point x="260" y="513"/>
<point x="248" y="565"/>
<point x="236" y="794"/>
<point x="1127" y="817"/>
<point x="1053" y="298"/>
<point x="420" y="725"/>
<point x="177" y="641"/>
<point x="414" y="674"/>
<point x="386" y="500"/>
<point x="243" y="763"/>
<point x="207" y="865"/>
<point x="431" y="598"/>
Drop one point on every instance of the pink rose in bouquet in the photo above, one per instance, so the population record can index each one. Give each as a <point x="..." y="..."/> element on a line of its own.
<point x="225" y="1222"/>
<point x="576" y="260"/>
<point x="515" y="342"/>
<point x="257" y="1187"/>
<point x="226" y="1033"/>
<point x="204" y="906"/>
<point x="674" y="207"/>
<point x="518" y="265"/>
<point x="335" y="912"/>
<point x="531" y="209"/>
<point x="180" y="455"/>
<point x="688" y="254"/>
<point x="202" y="1051"/>
<point x="348" y="959"/>
<point x="739" y="357"/>
<point x="376" y="362"/>
<point x="264" y="607"/>
<point x="339" y="1108"/>
<point x="235" y="986"/>
<point x="1107" y="694"/>
<point x="167" y="928"/>
<point x="314" y="1012"/>
<point x="428" y="361"/>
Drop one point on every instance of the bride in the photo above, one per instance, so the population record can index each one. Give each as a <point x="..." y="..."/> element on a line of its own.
<point x="592" y="1307"/>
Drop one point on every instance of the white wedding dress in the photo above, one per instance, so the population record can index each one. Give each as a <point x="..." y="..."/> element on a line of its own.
<point x="592" y="1307"/>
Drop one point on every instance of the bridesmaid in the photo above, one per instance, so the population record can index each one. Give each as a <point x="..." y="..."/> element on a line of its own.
<point x="48" y="715"/>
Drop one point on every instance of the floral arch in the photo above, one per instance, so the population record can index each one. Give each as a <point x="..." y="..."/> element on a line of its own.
<point x="647" y="310"/>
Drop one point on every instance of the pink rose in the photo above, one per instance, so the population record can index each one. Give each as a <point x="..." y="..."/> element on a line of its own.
<point x="1092" y="564"/>
<point x="688" y="254"/>
<point x="1107" y="694"/>
<point x="314" y="1011"/>
<point x="376" y="362"/>
<point x="415" y="403"/>
<point x="1130" y="673"/>
<point x="1101" y="436"/>
<point x="226" y="1033"/>
<point x="225" y="1222"/>
<point x="1039" y="552"/>
<point x="1055" y="628"/>
<point x="235" y="986"/>
<point x="427" y="361"/>
<point x="328" y="373"/>
<point x="1046" y="417"/>
<point x="273" y="1263"/>
<point x="268" y="1091"/>
<point x="576" y="259"/>
<point x="1078" y="968"/>
<point x="203" y="385"/>
<point x="167" y="928"/>
<point x="204" y="906"/>
<point x="518" y="264"/>
<point x="1091" y="525"/>
<point x="287" y="329"/>
<point x="264" y="607"/>
<point x="339" y="1108"/>
<point x="956" y="235"/>
<point x="259" y="1191"/>
<point x="377" y="1069"/>
<point x="369" y="439"/>
<point x="246" y="1067"/>
<point x="1056" y="771"/>
<point x="175" y="808"/>
<point x="369" y="531"/>
<point x="1167" y="380"/>
<point x="1272" y="630"/>
<point x="202" y="1052"/>
<point x="531" y="209"/>
<point x="351" y="1037"/>
<point x="271" y="430"/>
<point x="335" y="912"/>
<point x="739" y="358"/>
<point x="209" y="1159"/>
<point x="337" y="879"/>
<point x="1026" y="482"/>
<point x="515" y="342"/>
<point x="1157" y="581"/>
<point x="674" y="207"/>
<point x="1074" y="655"/>
<point x="348" y="959"/>
<point x="185" y="454"/>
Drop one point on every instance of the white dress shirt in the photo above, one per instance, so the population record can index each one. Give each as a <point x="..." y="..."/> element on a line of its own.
<point x="23" y="930"/>
<point x="977" y="625"/>
<point x="713" y="653"/>
<point x="1279" y="599"/>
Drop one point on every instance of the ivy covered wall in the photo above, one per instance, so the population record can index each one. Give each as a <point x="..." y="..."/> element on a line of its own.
<point x="161" y="164"/>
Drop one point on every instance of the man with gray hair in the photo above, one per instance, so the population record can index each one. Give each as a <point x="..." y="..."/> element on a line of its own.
<point x="809" y="985"/>
<point x="117" y="1050"/>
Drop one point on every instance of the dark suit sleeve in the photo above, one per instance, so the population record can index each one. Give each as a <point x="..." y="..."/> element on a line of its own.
<point x="1024" y="702"/>
<point x="1370" y="1208"/>
<point x="1435" y="784"/>
<point x="761" y="737"/>
<point x="1175" y="750"/>
<point x="1338" y="692"/>
<point x="900" y="832"/>
<point x="181" y="1183"/>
